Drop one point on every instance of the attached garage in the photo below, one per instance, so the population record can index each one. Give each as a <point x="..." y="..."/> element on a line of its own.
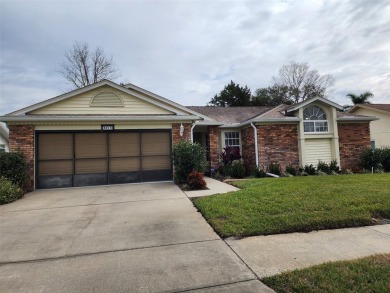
<point x="70" y="159"/>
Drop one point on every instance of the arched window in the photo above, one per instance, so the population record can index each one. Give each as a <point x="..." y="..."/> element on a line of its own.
<point x="315" y="120"/>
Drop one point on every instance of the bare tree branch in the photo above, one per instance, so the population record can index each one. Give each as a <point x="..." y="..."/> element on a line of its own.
<point x="83" y="67"/>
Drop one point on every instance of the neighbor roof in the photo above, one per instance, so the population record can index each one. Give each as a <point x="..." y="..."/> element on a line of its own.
<point x="378" y="107"/>
<point x="230" y="114"/>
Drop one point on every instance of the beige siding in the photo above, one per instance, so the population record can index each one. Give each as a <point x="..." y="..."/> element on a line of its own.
<point x="80" y="104"/>
<point x="379" y="129"/>
<point x="318" y="150"/>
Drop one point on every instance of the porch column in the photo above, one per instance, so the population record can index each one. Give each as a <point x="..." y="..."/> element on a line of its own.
<point x="214" y="146"/>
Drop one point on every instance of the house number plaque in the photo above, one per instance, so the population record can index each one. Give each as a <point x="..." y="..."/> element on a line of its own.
<point x="107" y="127"/>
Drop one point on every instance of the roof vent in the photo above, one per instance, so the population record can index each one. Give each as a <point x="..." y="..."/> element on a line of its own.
<point x="106" y="99"/>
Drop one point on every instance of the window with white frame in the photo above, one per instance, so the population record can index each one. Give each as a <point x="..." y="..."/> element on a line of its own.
<point x="2" y="148"/>
<point x="232" y="138"/>
<point x="315" y="120"/>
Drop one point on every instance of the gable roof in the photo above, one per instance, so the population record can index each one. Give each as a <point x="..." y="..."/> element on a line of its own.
<point x="230" y="115"/>
<point x="383" y="108"/>
<point x="309" y="101"/>
<point x="155" y="100"/>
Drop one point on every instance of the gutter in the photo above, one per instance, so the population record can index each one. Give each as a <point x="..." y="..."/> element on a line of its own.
<point x="256" y="149"/>
<point x="357" y="119"/>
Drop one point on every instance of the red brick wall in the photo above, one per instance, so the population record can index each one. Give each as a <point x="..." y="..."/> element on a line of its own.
<point x="214" y="146"/>
<point x="278" y="143"/>
<point x="353" y="138"/>
<point x="248" y="148"/>
<point x="21" y="138"/>
<point x="176" y="138"/>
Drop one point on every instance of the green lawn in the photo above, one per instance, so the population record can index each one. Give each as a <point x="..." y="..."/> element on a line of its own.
<point x="370" y="274"/>
<point x="281" y="205"/>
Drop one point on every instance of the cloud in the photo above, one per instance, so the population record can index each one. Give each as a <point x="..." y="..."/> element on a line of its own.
<point x="188" y="50"/>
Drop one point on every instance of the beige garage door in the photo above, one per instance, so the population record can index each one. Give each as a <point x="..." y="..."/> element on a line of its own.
<point x="317" y="150"/>
<point x="96" y="158"/>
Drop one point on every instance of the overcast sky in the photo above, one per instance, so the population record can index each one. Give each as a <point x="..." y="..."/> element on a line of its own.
<point x="187" y="51"/>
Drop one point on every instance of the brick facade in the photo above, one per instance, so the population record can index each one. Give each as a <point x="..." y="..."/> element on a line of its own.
<point x="353" y="138"/>
<point x="176" y="138"/>
<point x="278" y="143"/>
<point x="214" y="146"/>
<point x="21" y="138"/>
<point x="248" y="148"/>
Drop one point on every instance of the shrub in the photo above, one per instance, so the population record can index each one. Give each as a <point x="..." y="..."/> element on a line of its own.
<point x="333" y="166"/>
<point x="230" y="154"/>
<point x="9" y="191"/>
<point x="378" y="159"/>
<point x="290" y="169"/>
<point x="274" y="168"/>
<point x="195" y="181"/>
<point x="13" y="166"/>
<point x="238" y="169"/>
<point x="259" y="173"/>
<point x="323" y="167"/>
<point x="309" y="169"/>
<point x="187" y="157"/>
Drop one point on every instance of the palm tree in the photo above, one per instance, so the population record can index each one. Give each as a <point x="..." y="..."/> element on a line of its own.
<point x="361" y="99"/>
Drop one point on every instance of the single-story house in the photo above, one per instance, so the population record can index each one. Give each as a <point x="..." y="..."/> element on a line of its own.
<point x="107" y="133"/>
<point x="4" y="134"/>
<point x="379" y="129"/>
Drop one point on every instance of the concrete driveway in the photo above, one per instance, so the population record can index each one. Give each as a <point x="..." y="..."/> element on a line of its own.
<point x="123" y="238"/>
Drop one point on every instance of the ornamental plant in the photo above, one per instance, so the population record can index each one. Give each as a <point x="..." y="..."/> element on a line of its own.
<point x="13" y="166"/>
<point x="187" y="157"/>
<point x="230" y="154"/>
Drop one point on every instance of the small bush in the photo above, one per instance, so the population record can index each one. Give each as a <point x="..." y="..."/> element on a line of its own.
<point x="9" y="191"/>
<point x="187" y="157"/>
<point x="309" y="169"/>
<point x="378" y="159"/>
<point x="323" y="167"/>
<point x="195" y="181"/>
<point x="334" y="167"/>
<point x="290" y="169"/>
<point x="259" y="173"/>
<point x="238" y="169"/>
<point x="13" y="166"/>
<point x="230" y="154"/>
<point x="274" y="168"/>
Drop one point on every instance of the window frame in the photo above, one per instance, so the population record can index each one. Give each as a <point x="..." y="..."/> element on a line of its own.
<point x="232" y="138"/>
<point x="317" y="124"/>
<point x="2" y="148"/>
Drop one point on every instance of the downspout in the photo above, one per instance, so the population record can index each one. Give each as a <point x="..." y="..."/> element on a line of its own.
<point x="256" y="149"/>
<point x="192" y="131"/>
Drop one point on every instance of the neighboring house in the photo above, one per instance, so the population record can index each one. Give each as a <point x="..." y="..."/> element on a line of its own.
<point x="108" y="134"/>
<point x="4" y="133"/>
<point x="380" y="129"/>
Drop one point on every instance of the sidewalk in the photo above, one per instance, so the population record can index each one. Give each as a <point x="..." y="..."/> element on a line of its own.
<point x="214" y="187"/>
<point x="273" y="254"/>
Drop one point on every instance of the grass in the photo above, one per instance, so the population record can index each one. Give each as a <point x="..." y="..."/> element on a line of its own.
<point x="298" y="204"/>
<point x="370" y="274"/>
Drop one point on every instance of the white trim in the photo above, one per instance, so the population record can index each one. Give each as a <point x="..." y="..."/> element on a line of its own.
<point x="309" y="101"/>
<point x="256" y="150"/>
<point x="97" y="118"/>
<point x="315" y="121"/>
<point x="162" y="103"/>
<point x="354" y="118"/>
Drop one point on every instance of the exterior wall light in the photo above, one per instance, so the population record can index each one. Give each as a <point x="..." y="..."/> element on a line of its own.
<point x="181" y="129"/>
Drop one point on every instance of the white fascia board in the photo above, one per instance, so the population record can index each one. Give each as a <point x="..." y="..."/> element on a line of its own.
<point x="309" y="101"/>
<point x="97" y="118"/>
<point x="210" y="123"/>
<point x="96" y="85"/>
<point x="146" y="92"/>
<point x="353" y="118"/>
<point x="270" y="120"/>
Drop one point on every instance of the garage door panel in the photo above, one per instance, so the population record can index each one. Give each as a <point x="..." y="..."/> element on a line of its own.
<point x="55" y="167"/>
<point x="89" y="179"/>
<point x="124" y="177"/>
<point x="90" y="145"/>
<point x="125" y="164"/>
<point x="56" y="181"/>
<point x="155" y="143"/>
<point x="91" y="166"/>
<point x="156" y="163"/>
<point x="122" y="144"/>
<point x="55" y="146"/>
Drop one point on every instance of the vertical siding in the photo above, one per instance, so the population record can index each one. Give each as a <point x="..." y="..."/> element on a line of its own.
<point x="318" y="150"/>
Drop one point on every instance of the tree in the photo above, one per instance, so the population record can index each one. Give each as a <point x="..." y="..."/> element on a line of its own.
<point x="83" y="67"/>
<point x="302" y="82"/>
<point x="361" y="99"/>
<point x="270" y="96"/>
<point x="232" y="95"/>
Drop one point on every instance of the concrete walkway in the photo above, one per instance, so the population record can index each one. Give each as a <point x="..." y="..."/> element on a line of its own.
<point x="214" y="187"/>
<point x="271" y="255"/>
